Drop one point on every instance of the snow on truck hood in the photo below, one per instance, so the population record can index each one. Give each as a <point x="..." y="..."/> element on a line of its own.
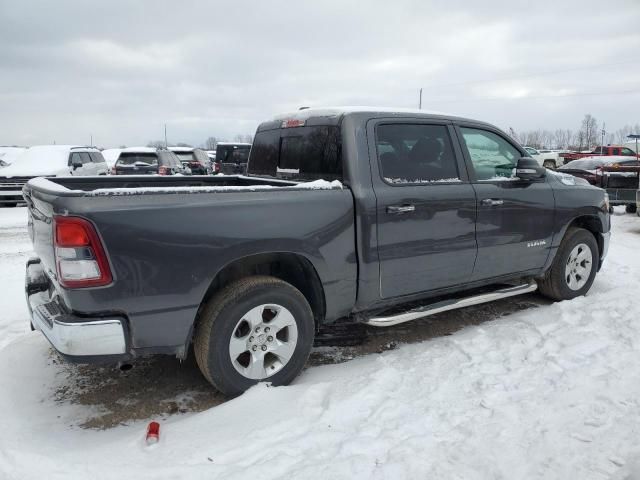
<point x="41" y="160"/>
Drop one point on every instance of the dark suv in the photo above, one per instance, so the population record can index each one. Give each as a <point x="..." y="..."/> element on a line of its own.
<point x="232" y="157"/>
<point x="148" y="161"/>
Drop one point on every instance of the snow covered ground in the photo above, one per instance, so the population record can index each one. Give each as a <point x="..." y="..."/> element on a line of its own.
<point x="550" y="392"/>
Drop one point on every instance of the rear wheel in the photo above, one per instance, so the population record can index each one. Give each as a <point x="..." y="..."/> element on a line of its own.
<point x="631" y="208"/>
<point x="549" y="164"/>
<point x="256" y="329"/>
<point x="574" y="268"/>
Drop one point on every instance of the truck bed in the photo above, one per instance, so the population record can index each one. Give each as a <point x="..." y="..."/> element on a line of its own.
<point x="167" y="238"/>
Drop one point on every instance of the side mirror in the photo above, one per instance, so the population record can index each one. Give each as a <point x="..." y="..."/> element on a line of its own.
<point x="530" y="170"/>
<point x="76" y="165"/>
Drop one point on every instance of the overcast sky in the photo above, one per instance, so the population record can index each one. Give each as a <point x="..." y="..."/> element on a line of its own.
<point x="120" y="70"/>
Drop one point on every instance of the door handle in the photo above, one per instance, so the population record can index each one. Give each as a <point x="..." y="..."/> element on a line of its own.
<point x="400" y="208"/>
<point x="492" y="202"/>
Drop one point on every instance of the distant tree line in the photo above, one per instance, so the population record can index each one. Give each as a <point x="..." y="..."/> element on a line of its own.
<point x="589" y="135"/>
<point x="209" y="144"/>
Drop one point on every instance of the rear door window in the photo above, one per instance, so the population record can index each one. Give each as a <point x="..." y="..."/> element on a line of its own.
<point x="415" y="153"/>
<point x="300" y="153"/>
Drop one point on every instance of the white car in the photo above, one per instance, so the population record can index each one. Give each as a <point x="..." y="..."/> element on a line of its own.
<point x="9" y="154"/>
<point x="547" y="158"/>
<point x="48" y="161"/>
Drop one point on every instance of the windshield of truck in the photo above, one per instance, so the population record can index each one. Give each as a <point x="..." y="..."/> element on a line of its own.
<point x="137" y="159"/>
<point x="302" y="153"/>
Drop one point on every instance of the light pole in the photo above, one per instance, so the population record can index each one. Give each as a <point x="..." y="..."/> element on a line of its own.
<point x="420" y="101"/>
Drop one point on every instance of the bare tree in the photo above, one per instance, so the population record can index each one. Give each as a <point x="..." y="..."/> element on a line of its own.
<point x="156" y="144"/>
<point x="210" y="143"/>
<point x="588" y="132"/>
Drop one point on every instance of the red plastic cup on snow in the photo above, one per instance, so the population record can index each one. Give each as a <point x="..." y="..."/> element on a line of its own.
<point x="153" y="433"/>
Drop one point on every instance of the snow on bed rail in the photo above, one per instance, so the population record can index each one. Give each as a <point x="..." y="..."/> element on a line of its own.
<point x="46" y="184"/>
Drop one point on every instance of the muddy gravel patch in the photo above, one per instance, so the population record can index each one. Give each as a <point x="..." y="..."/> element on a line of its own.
<point x="157" y="387"/>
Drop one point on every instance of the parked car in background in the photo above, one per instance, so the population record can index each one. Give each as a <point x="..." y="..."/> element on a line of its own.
<point x="385" y="217"/>
<point x="111" y="156"/>
<point x="547" y="158"/>
<point x="48" y="161"/>
<point x="232" y="157"/>
<point x="605" y="151"/>
<point x="632" y="145"/>
<point x="194" y="158"/>
<point x="215" y="166"/>
<point x="148" y="161"/>
<point x="619" y="176"/>
<point x="8" y="154"/>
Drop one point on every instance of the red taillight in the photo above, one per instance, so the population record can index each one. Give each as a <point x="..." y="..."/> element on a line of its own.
<point x="216" y="167"/>
<point x="71" y="234"/>
<point x="163" y="170"/>
<point x="80" y="258"/>
<point x="114" y="171"/>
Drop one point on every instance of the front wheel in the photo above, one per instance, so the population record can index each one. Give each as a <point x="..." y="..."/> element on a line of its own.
<point x="631" y="208"/>
<point x="574" y="268"/>
<point x="256" y="329"/>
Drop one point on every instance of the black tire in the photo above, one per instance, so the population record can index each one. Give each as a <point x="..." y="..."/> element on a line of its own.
<point x="218" y="322"/>
<point x="631" y="208"/>
<point x="554" y="285"/>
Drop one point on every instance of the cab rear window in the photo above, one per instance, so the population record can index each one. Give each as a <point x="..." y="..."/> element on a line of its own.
<point x="302" y="153"/>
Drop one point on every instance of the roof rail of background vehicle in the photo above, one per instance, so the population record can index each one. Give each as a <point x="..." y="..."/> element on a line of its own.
<point x="333" y="115"/>
<point x="84" y="147"/>
<point x="233" y="143"/>
<point x="67" y="148"/>
<point x="183" y="149"/>
<point x="141" y="149"/>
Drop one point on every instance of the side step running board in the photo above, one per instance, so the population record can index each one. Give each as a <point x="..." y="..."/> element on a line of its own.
<point x="453" y="304"/>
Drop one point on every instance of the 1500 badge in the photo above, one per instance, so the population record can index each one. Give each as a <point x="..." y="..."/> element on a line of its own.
<point x="536" y="243"/>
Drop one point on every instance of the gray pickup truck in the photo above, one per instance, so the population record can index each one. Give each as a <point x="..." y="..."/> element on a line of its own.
<point x="346" y="215"/>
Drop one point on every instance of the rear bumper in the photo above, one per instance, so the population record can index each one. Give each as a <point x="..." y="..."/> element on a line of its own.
<point x="81" y="339"/>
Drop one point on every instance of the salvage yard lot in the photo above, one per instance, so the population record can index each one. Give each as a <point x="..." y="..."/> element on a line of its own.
<point x="517" y="389"/>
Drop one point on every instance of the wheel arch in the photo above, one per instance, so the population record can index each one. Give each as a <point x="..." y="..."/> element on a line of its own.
<point x="590" y="223"/>
<point x="293" y="268"/>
